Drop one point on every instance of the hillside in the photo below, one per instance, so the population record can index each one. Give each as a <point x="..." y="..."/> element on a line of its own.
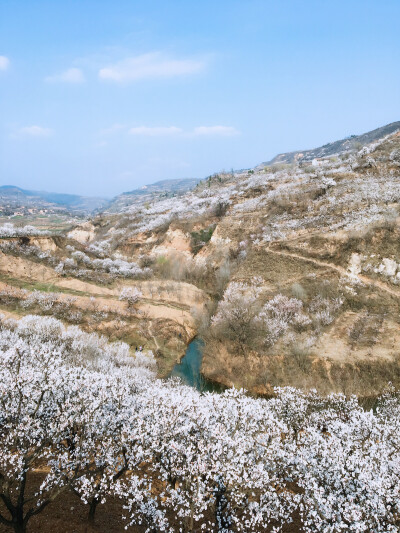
<point x="290" y="274"/>
<point x="321" y="237"/>
<point x="348" y="144"/>
<point x="148" y="193"/>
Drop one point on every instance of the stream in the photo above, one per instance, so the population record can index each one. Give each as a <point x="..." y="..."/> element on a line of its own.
<point x="189" y="369"/>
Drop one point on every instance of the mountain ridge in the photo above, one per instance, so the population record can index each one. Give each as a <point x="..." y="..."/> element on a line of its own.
<point x="162" y="188"/>
<point x="334" y="147"/>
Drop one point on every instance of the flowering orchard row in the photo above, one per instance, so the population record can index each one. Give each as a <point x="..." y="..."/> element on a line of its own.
<point x="96" y="420"/>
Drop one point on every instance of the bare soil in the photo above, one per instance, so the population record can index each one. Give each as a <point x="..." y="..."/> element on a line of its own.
<point x="68" y="514"/>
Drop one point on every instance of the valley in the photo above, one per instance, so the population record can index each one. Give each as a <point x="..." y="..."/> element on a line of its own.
<point x="289" y="273"/>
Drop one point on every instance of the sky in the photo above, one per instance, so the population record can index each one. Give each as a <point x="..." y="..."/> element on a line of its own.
<point x="99" y="97"/>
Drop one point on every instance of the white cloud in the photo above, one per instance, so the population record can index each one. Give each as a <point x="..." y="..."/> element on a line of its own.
<point x="35" y="131"/>
<point x="71" y="75"/>
<point x="4" y="63"/>
<point x="152" y="65"/>
<point x="222" y="131"/>
<point x="156" y="131"/>
<point x="169" y="131"/>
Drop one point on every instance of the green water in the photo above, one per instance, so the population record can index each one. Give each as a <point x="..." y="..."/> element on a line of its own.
<point x="189" y="369"/>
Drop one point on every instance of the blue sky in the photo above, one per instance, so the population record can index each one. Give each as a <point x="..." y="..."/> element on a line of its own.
<point x="100" y="97"/>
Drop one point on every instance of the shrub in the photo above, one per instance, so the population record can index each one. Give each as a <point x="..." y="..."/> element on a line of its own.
<point x="299" y="292"/>
<point x="201" y="238"/>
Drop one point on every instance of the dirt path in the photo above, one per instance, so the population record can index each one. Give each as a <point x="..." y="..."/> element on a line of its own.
<point x="152" y="335"/>
<point x="341" y="270"/>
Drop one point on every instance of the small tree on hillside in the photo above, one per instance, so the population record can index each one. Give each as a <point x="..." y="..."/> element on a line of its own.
<point x="131" y="295"/>
<point x="237" y="310"/>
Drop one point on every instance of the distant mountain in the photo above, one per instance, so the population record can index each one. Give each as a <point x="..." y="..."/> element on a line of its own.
<point x="336" y="147"/>
<point x="72" y="202"/>
<point x="159" y="189"/>
<point x="15" y="199"/>
<point x="173" y="186"/>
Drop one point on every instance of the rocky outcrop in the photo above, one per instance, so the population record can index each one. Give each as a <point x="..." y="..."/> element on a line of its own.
<point x="84" y="233"/>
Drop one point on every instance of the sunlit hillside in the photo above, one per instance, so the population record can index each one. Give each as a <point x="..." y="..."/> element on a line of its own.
<point x="199" y="267"/>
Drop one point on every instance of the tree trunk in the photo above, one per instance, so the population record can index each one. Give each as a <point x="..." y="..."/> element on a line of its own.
<point x="222" y="517"/>
<point x="92" y="510"/>
<point x="19" y="524"/>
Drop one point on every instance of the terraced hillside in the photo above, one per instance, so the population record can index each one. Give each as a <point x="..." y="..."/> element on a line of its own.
<point x="36" y="276"/>
<point x="290" y="273"/>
